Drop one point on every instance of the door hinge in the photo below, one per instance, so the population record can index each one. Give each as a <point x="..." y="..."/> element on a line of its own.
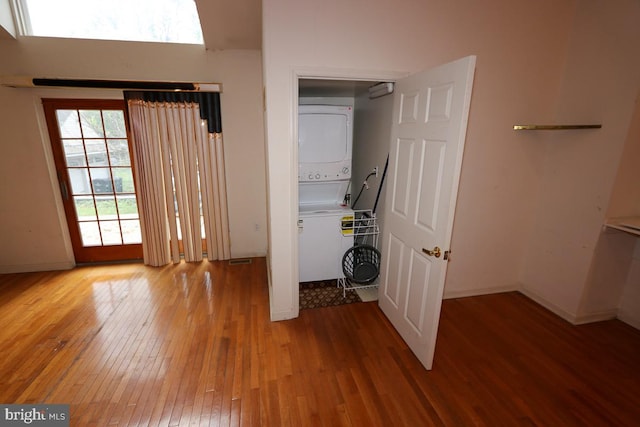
<point x="63" y="187"/>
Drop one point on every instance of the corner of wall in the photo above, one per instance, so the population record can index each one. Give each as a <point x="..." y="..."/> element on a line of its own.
<point x="569" y="317"/>
<point x="608" y="273"/>
<point x="630" y="318"/>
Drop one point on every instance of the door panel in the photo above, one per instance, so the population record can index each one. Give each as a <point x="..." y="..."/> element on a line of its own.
<point x="427" y="141"/>
<point x="392" y="269"/>
<point x="439" y="104"/>
<point x="405" y="149"/>
<point x="409" y="107"/>
<point x="94" y="167"/>
<point x="418" y="280"/>
<point x="430" y="183"/>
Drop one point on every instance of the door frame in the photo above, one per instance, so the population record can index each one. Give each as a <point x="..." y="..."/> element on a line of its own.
<point x="323" y="74"/>
<point x="317" y="73"/>
<point x="116" y="252"/>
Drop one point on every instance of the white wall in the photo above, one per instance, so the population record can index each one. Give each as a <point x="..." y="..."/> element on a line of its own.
<point x="625" y="196"/>
<point x="521" y="48"/>
<point x="32" y="225"/>
<point x="7" y="28"/>
<point x="372" y="133"/>
<point x="613" y="284"/>
<point x="625" y="201"/>
<point x="629" y="308"/>
<point x="564" y="263"/>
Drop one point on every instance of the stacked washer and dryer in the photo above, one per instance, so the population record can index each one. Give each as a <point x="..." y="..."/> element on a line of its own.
<point x="325" y="140"/>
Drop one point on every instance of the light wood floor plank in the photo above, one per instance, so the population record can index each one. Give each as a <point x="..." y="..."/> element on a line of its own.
<point x="192" y="344"/>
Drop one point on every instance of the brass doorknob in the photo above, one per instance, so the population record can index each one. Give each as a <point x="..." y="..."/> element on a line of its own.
<point x="436" y="252"/>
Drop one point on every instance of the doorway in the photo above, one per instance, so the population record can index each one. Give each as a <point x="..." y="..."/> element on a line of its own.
<point x="94" y="165"/>
<point x="429" y="119"/>
<point x="371" y="130"/>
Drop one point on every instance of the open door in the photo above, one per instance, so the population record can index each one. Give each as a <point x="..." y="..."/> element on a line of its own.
<point x="427" y="141"/>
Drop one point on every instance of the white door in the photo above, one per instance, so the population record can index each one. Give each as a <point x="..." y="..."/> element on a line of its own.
<point x="427" y="140"/>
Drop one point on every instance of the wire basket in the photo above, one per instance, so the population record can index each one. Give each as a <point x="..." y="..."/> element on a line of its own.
<point x="361" y="264"/>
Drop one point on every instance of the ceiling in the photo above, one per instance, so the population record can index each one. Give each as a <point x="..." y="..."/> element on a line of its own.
<point x="233" y="24"/>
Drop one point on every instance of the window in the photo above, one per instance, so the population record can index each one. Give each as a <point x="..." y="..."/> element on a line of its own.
<point x="169" y="21"/>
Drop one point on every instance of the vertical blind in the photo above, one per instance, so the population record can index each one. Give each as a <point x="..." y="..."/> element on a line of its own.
<point x="180" y="173"/>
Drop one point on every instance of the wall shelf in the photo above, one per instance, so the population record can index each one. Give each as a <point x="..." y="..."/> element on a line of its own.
<point x="629" y="224"/>
<point x="554" y="127"/>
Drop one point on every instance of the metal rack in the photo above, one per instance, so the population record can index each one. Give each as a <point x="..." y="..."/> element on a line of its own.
<point x="363" y="226"/>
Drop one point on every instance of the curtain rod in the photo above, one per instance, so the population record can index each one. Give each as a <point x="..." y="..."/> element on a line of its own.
<point x="28" y="82"/>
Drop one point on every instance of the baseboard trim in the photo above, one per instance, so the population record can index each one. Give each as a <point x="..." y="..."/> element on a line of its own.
<point x="478" y="292"/>
<point x="629" y="319"/>
<point x="276" y="316"/>
<point x="569" y="317"/>
<point x="596" y="317"/>
<point x="572" y="318"/>
<point x="282" y="315"/>
<point x="30" y="268"/>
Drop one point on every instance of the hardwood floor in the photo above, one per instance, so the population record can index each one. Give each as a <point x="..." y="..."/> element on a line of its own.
<point x="193" y="345"/>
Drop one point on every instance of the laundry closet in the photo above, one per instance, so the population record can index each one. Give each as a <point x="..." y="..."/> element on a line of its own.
<point x="343" y="140"/>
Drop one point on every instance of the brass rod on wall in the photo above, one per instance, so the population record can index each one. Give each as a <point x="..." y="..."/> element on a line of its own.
<point x="554" y="127"/>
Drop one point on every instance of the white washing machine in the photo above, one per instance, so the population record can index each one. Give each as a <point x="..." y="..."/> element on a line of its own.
<point x="322" y="239"/>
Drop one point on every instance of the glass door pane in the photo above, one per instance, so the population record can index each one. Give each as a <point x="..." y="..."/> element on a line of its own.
<point x="91" y="147"/>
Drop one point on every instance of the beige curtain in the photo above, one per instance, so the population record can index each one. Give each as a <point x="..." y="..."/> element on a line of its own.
<point x="179" y="169"/>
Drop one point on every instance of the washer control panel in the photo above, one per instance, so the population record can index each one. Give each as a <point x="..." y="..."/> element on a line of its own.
<point x="324" y="172"/>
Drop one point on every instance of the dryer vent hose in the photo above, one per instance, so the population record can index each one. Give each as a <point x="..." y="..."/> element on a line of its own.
<point x="384" y="173"/>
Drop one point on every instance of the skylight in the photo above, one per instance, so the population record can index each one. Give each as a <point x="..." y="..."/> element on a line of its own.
<point x="168" y="21"/>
